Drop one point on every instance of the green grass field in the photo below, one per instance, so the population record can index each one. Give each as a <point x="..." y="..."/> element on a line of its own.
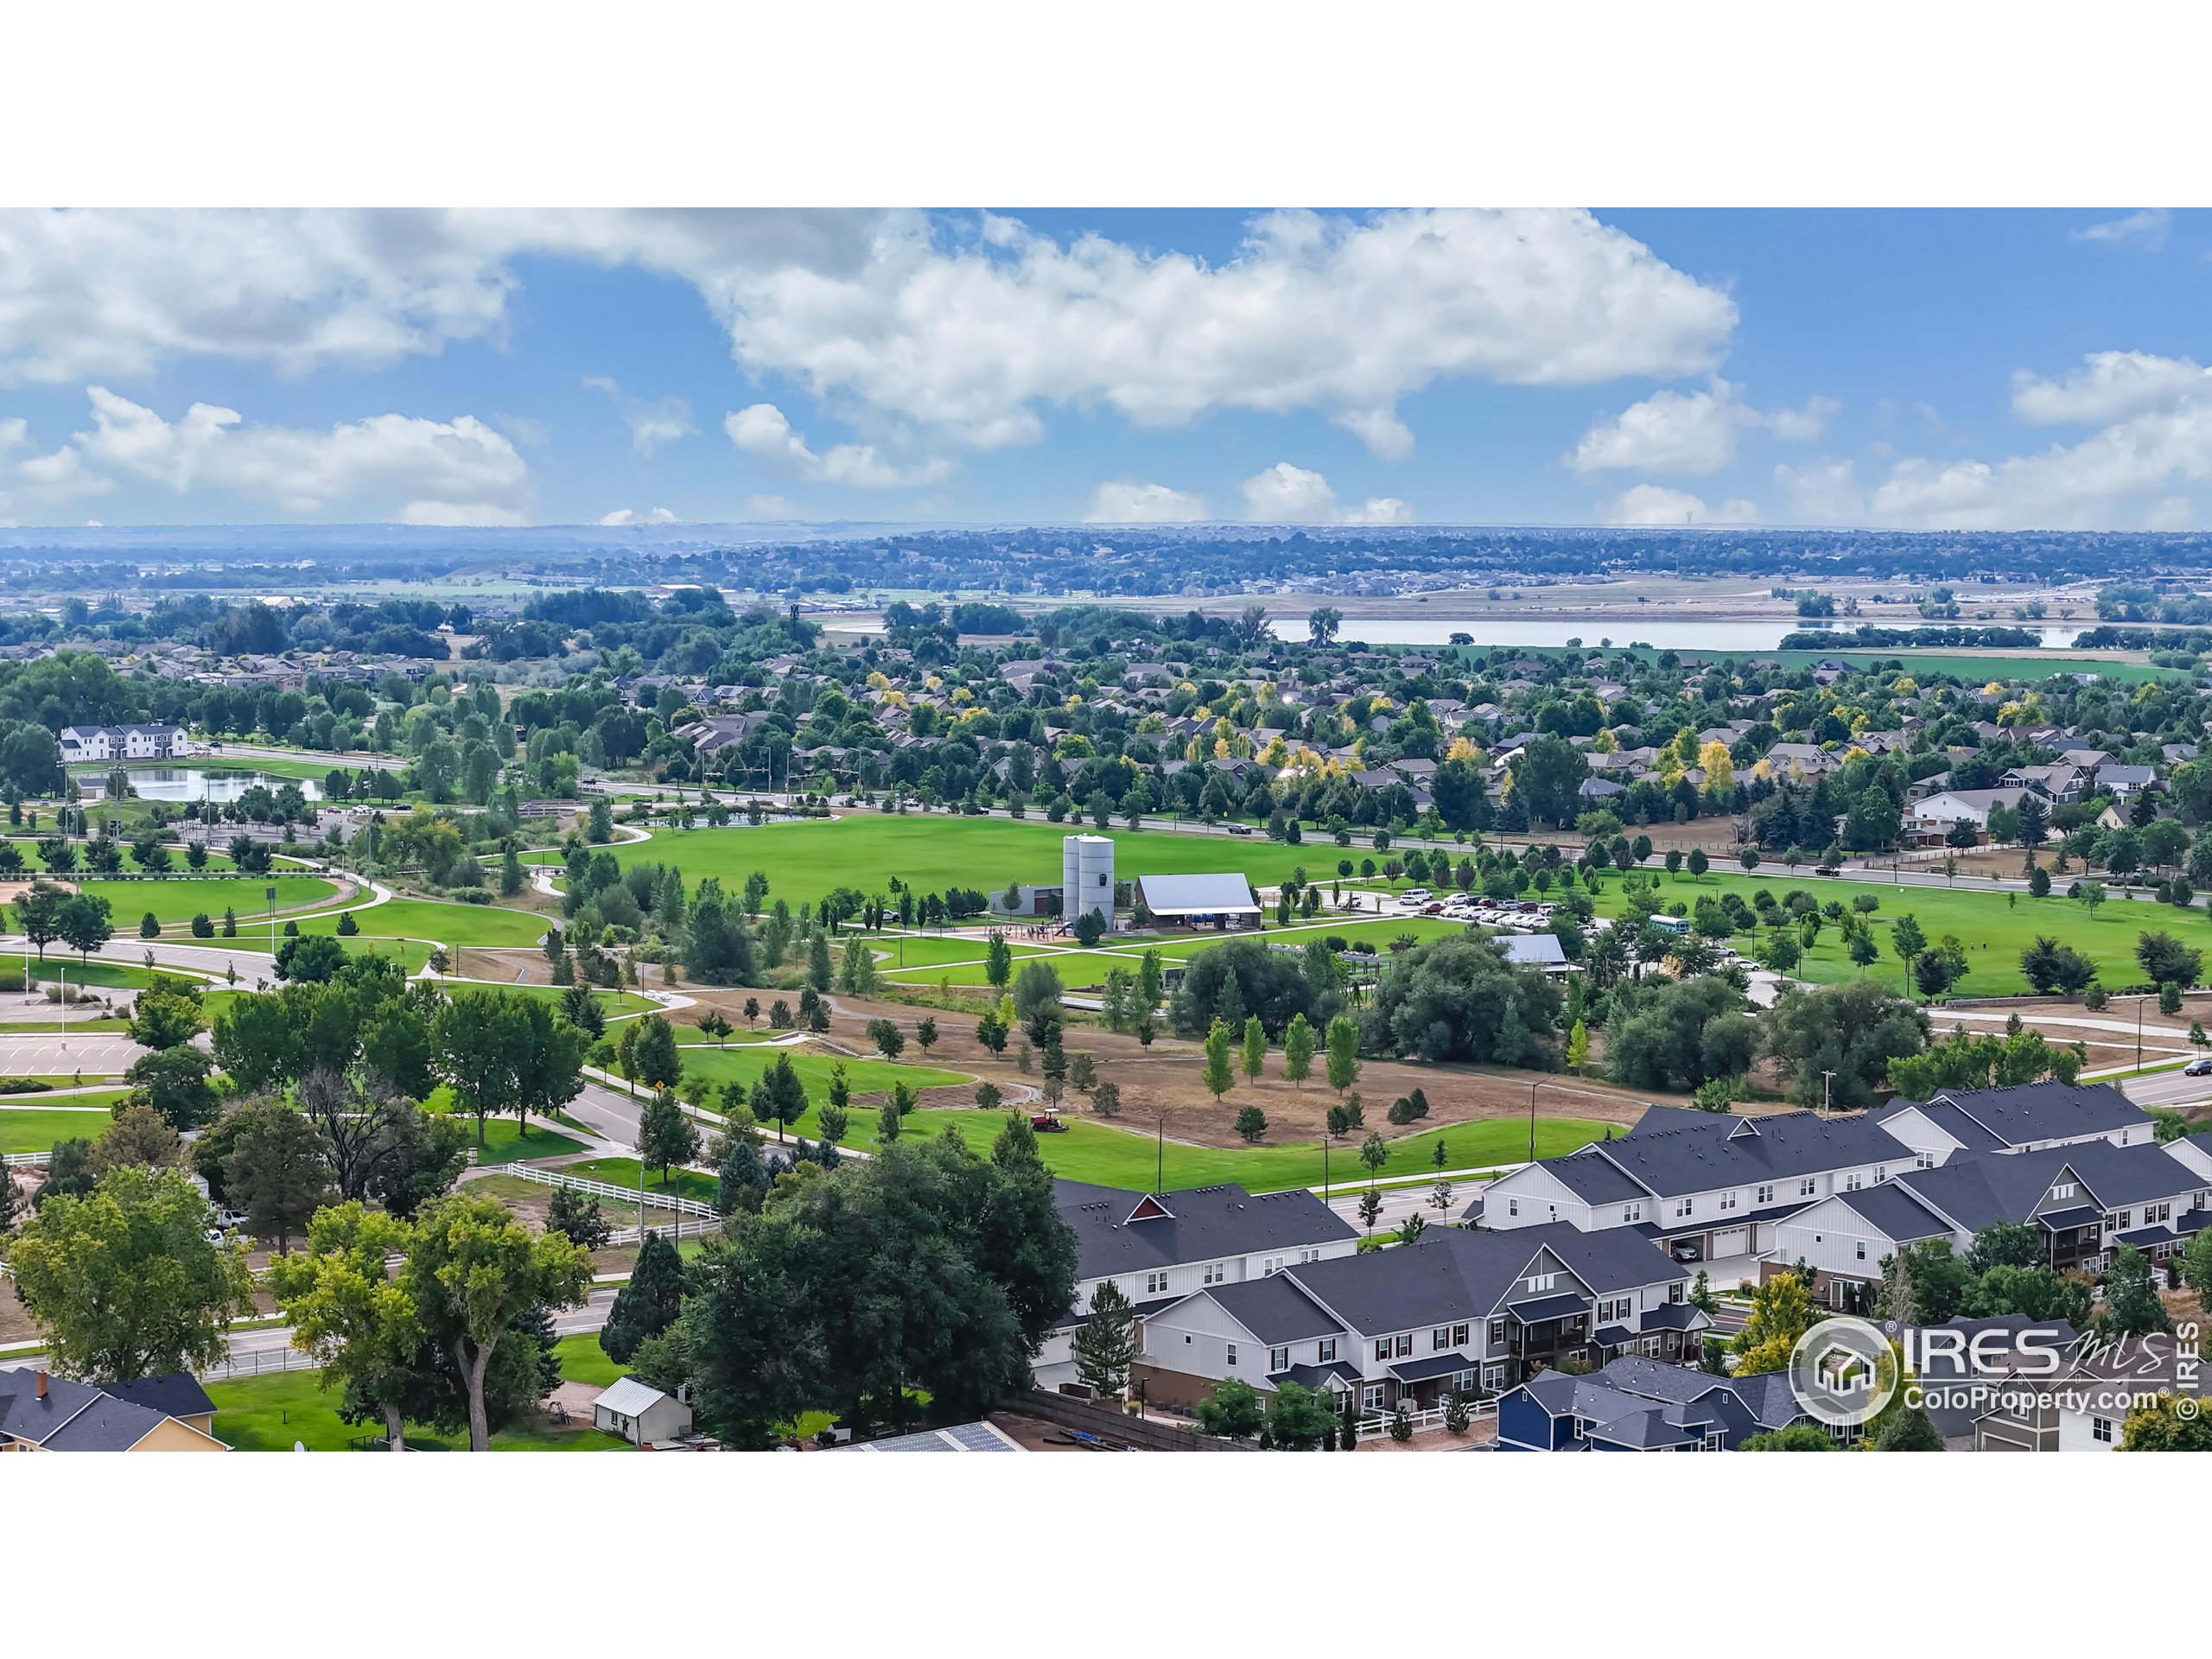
<point x="425" y="919"/>
<point x="1994" y="926"/>
<point x="806" y="859"/>
<point x="2011" y="665"/>
<point x="963" y="961"/>
<point x="178" y="898"/>
<point x="37" y="1130"/>
<point x="623" y="1172"/>
<point x="1111" y="1156"/>
<point x="275" y="1413"/>
<point x="504" y="1142"/>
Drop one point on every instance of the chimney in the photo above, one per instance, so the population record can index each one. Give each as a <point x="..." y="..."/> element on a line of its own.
<point x="40" y="1378"/>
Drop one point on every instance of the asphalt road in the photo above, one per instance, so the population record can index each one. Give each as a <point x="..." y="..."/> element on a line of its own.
<point x="2167" y="1089"/>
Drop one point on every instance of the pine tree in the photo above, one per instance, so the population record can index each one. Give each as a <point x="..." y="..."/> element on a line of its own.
<point x="817" y="960"/>
<point x="666" y="1136"/>
<point x="648" y="1304"/>
<point x="1104" y="1346"/>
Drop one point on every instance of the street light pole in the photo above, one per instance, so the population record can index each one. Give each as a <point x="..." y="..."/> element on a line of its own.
<point x="1827" y="1089"/>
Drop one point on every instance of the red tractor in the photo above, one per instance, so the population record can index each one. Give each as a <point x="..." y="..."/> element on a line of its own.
<point x="1047" y="1122"/>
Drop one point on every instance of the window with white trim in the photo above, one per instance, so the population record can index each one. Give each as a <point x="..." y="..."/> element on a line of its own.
<point x="1218" y="1272"/>
<point x="1543" y="1280"/>
<point x="1632" y="1212"/>
<point x="1764" y="1196"/>
<point x="1305" y="1255"/>
<point x="1155" y="1284"/>
<point x="2065" y="1190"/>
<point x="2100" y="1430"/>
<point x="1807" y="1187"/>
<point x="1512" y="1207"/>
<point x="1685" y="1207"/>
<point x="1383" y="1348"/>
<point x="1728" y="1200"/>
<point x="1853" y="1181"/>
<point x="1459" y="1336"/>
<point x="1403" y="1347"/>
<point x="1439" y="1339"/>
<point x="1269" y="1266"/>
<point x="1232" y="1353"/>
<point x="1327" y="1350"/>
<point x="1496" y="1333"/>
<point x="1881" y="1172"/>
<point x="1861" y="1245"/>
<point x="1278" y="1359"/>
<point x="1370" y="1397"/>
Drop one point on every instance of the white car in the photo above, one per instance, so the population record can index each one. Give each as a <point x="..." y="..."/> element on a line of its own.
<point x="1415" y="896"/>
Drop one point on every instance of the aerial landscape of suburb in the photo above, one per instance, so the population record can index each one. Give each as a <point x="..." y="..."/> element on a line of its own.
<point x="1561" y="879"/>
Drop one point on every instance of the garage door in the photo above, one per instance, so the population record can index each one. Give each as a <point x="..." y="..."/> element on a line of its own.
<point x="1735" y="1240"/>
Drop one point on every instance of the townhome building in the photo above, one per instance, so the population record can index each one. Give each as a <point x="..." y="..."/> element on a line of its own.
<point x="135" y="742"/>
<point x="1456" y="1309"/>
<point x="2084" y="1406"/>
<point x="2025" y="1117"/>
<point x="1161" y="1248"/>
<point x="1704" y="1187"/>
<point x="2086" y="1199"/>
<point x="1635" y="1404"/>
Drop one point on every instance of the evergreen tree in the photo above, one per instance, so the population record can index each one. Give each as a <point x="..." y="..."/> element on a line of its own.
<point x="577" y="1214"/>
<point x="1104" y="1346"/>
<point x="666" y="1134"/>
<point x="818" y="960"/>
<point x="1344" y="1053"/>
<point x="648" y="1304"/>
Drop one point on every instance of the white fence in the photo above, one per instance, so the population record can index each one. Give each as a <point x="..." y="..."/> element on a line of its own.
<point x="259" y="1362"/>
<point x="608" y="1190"/>
<point x="16" y="1159"/>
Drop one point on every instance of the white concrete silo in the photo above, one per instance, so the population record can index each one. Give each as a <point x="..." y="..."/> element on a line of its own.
<point x="1086" y="876"/>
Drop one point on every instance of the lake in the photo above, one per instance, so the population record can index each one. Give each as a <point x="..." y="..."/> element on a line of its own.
<point x="1549" y="634"/>
<point x="196" y="783"/>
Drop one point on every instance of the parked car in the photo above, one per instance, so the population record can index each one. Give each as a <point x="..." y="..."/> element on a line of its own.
<point x="1414" y="897"/>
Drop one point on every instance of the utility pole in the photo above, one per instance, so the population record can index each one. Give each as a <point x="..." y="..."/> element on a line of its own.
<point x="1532" y="1120"/>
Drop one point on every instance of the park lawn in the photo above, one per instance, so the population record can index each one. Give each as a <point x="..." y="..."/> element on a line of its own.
<point x="803" y="859"/>
<point x="1995" y="925"/>
<point x="274" y="1413"/>
<point x="1075" y="968"/>
<point x="1090" y="1151"/>
<point x="814" y="1065"/>
<point x="504" y="1144"/>
<point x="455" y="925"/>
<point x="27" y="1027"/>
<point x="623" y="1172"/>
<point x="112" y="975"/>
<point x="615" y="1005"/>
<point x="177" y="899"/>
<point x="39" y="1130"/>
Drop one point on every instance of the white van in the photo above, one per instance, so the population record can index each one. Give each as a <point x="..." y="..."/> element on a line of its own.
<point x="1414" y="896"/>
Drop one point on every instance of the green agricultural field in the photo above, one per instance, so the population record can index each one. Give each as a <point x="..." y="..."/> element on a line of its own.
<point x="284" y="1409"/>
<point x="1090" y="1151"/>
<point x="805" y="859"/>
<point x="868" y="1077"/>
<point x="2125" y="668"/>
<point x="1995" y="925"/>
<point x="175" y="900"/>
<point x="37" y="1128"/>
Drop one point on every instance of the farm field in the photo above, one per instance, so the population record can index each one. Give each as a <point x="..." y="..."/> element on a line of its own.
<point x="1994" y="926"/>
<point x="2018" y="665"/>
<point x="805" y="859"/>
<point x="1090" y="1151"/>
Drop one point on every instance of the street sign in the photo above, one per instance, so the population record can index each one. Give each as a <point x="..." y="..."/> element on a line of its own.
<point x="271" y="895"/>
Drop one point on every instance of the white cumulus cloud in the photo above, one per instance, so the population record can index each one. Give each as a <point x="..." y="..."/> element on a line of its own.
<point x="1285" y="494"/>
<point x="2147" y="227"/>
<point x="763" y="432"/>
<point x="398" y="467"/>
<point x="1120" y="501"/>
<point x="774" y="508"/>
<point x="654" y="424"/>
<point x="1689" y="434"/>
<point x="961" y="325"/>
<point x="2108" y="387"/>
<point x="1652" y="504"/>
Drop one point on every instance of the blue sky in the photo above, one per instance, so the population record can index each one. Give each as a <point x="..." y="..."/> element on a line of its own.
<point x="1915" y="369"/>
